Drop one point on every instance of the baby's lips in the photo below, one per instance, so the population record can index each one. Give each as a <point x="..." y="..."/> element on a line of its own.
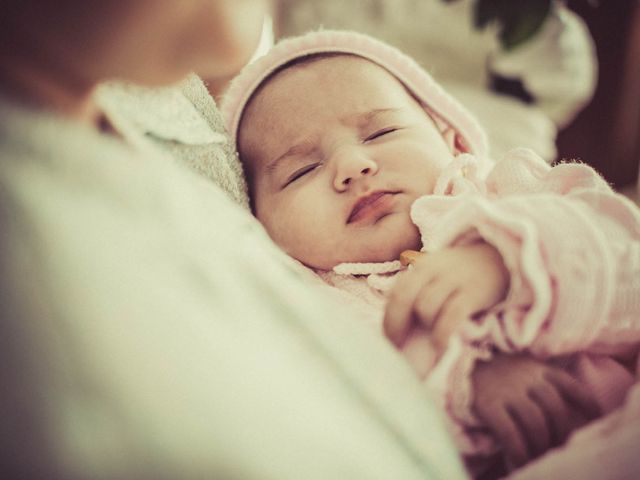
<point x="409" y="257"/>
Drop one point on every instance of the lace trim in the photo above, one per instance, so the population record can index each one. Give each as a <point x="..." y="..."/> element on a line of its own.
<point x="368" y="268"/>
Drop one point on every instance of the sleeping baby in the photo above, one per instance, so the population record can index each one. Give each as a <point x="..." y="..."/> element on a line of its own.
<point x="354" y="155"/>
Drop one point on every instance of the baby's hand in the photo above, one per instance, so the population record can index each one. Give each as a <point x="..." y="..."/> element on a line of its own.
<point x="528" y="405"/>
<point x="443" y="289"/>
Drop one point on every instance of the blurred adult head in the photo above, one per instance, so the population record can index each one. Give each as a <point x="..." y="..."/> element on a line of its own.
<point x="78" y="43"/>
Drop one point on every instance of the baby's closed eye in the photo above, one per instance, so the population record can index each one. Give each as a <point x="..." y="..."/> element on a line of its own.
<point x="301" y="172"/>
<point x="380" y="133"/>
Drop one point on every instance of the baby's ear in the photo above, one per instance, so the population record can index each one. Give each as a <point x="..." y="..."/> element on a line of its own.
<point x="449" y="136"/>
<point x="454" y="141"/>
<point x="460" y="145"/>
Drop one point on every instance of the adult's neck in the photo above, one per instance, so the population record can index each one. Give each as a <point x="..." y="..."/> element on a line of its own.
<point x="42" y="84"/>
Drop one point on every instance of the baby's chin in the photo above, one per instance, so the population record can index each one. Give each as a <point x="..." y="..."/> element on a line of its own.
<point x="372" y="249"/>
<point x="370" y="256"/>
<point x="406" y="237"/>
<point x="387" y="252"/>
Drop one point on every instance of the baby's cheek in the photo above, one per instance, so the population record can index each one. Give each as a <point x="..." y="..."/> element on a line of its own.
<point x="396" y="235"/>
<point x="305" y="239"/>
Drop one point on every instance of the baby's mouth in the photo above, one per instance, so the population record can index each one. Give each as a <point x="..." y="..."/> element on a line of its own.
<point x="370" y="205"/>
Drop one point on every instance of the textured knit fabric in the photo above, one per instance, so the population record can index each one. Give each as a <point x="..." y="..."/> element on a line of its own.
<point x="572" y="247"/>
<point x="184" y="121"/>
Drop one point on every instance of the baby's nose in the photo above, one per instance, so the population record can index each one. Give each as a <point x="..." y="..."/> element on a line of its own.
<point x="352" y="166"/>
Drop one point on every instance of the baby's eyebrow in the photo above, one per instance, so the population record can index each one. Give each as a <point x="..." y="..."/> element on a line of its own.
<point x="303" y="148"/>
<point x="365" y="118"/>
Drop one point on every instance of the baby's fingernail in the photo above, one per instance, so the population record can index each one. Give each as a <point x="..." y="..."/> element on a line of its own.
<point x="408" y="257"/>
<point x="394" y="337"/>
<point x="440" y="345"/>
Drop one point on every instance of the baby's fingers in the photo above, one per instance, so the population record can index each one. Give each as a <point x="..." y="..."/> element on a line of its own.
<point x="531" y="419"/>
<point x="430" y="302"/>
<point x="575" y="393"/>
<point x="455" y="311"/>
<point x="398" y="315"/>
<point x="555" y="410"/>
<point x="508" y="435"/>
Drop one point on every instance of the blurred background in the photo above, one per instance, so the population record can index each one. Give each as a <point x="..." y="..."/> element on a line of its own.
<point x="606" y="134"/>
<point x="561" y="77"/>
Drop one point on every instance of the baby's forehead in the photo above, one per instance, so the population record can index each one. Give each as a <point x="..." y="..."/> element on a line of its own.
<point x="330" y="63"/>
<point x="338" y="74"/>
<point x="309" y="88"/>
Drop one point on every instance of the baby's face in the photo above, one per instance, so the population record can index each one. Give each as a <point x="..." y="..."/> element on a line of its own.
<point x="336" y="152"/>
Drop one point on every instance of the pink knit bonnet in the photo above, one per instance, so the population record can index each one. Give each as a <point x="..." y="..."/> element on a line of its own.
<point x="437" y="102"/>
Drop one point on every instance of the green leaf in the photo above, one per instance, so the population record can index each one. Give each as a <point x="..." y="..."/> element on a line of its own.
<point x="518" y="29"/>
<point x="518" y="20"/>
<point x="485" y="12"/>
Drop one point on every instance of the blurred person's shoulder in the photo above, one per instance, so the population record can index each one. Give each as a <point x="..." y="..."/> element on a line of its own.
<point x="124" y="273"/>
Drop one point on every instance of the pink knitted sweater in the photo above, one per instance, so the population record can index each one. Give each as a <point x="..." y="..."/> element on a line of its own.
<point x="572" y="247"/>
